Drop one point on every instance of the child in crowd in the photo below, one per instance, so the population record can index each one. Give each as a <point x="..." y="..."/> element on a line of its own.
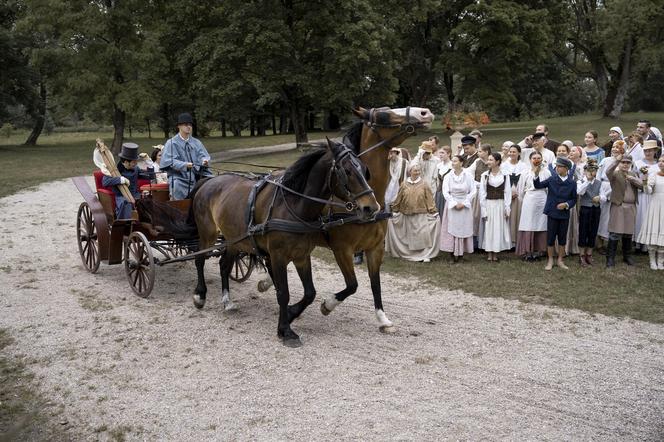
<point x="588" y="190"/>
<point x="561" y="197"/>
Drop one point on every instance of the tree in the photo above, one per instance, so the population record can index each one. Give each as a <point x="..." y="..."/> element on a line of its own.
<point x="286" y="51"/>
<point x="17" y="77"/>
<point x="105" y="51"/>
<point x="602" y="42"/>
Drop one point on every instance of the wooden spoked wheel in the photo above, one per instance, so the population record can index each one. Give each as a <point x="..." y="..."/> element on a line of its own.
<point x="139" y="264"/>
<point x="86" y="235"/>
<point x="242" y="268"/>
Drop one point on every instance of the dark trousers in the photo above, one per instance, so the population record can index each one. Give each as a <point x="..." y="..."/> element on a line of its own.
<point x="588" y="225"/>
<point x="556" y="228"/>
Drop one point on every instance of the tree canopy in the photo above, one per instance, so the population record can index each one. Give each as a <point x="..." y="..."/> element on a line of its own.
<point x="250" y="62"/>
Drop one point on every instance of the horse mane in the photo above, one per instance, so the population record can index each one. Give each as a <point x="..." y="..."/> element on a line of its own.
<point x="353" y="137"/>
<point x="296" y="176"/>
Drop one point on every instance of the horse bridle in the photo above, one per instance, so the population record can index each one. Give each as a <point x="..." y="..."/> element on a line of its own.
<point x="404" y="128"/>
<point x="343" y="182"/>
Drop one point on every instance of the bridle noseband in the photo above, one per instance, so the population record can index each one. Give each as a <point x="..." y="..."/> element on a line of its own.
<point x="408" y="127"/>
<point x="343" y="182"/>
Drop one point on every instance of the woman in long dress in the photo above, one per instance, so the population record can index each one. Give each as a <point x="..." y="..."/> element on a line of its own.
<point x="531" y="238"/>
<point x="414" y="230"/>
<point x="444" y="167"/>
<point x="459" y="190"/>
<point x="644" y="167"/>
<point x="652" y="228"/>
<point x="513" y="167"/>
<point x="617" y="150"/>
<point x="495" y="202"/>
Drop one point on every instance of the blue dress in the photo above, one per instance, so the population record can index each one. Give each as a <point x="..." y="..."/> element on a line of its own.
<point x="174" y="158"/>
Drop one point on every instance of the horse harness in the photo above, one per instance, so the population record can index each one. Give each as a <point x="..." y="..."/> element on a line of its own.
<point x="404" y="128"/>
<point x="322" y="224"/>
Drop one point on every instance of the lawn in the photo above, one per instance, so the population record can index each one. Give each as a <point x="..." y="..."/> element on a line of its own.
<point x="635" y="292"/>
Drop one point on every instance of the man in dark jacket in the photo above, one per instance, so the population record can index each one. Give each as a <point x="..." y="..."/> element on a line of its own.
<point x="129" y="176"/>
<point x="560" y="198"/>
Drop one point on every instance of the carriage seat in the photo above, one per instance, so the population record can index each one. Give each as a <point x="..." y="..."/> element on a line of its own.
<point x="105" y="195"/>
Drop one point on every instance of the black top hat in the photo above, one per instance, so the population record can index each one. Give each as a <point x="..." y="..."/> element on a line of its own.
<point x="468" y="140"/>
<point x="129" y="151"/>
<point x="185" y="118"/>
<point x="537" y="135"/>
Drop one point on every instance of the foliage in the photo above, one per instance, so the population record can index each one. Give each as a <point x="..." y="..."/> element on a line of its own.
<point x="459" y="120"/>
<point x="6" y="130"/>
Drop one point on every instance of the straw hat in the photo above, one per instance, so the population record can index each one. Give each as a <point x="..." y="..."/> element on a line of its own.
<point x="427" y="146"/>
<point x="650" y="144"/>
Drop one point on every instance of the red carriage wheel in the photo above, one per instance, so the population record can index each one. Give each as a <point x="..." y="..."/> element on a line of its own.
<point x="86" y="235"/>
<point x="139" y="264"/>
<point x="242" y="268"/>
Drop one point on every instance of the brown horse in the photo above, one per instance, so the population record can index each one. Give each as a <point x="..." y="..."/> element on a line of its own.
<point x="372" y="138"/>
<point x="379" y="130"/>
<point x="283" y="224"/>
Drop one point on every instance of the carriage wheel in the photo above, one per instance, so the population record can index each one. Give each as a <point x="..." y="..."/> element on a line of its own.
<point x="86" y="235"/>
<point x="242" y="268"/>
<point x="139" y="264"/>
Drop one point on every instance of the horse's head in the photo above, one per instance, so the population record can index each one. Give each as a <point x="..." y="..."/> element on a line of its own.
<point x="348" y="181"/>
<point x="394" y="125"/>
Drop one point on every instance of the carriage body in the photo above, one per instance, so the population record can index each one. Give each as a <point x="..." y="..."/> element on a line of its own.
<point x="104" y="239"/>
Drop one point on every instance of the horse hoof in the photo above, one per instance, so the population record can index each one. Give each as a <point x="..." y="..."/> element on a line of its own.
<point x="199" y="302"/>
<point x="230" y="307"/>
<point x="263" y="285"/>
<point x="324" y="310"/>
<point x="387" y="329"/>
<point x="292" y="342"/>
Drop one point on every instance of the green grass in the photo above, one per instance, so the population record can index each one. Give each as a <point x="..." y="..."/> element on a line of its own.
<point x="63" y="155"/>
<point x="626" y="292"/>
<point x="22" y="409"/>
<point x="622" y="292"/>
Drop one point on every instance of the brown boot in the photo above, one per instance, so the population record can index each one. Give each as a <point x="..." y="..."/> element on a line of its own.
<point x="589" y="259"/>
<point x="582" y="260"/>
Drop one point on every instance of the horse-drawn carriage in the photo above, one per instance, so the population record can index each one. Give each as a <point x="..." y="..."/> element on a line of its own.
<point x="139" y="245"/>
<point x="279" y="218"/>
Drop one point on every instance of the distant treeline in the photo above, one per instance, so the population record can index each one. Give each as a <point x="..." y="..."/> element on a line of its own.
<point x="277" y="66"/>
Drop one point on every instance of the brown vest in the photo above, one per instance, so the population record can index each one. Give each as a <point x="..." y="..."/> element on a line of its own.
<point x="480" y="169"/>
<point x="495" y="193"/>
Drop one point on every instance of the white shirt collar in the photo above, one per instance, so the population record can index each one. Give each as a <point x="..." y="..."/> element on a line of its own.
<point x="410" y="180"/>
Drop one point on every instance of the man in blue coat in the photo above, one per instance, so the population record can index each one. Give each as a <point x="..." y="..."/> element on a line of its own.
<point x="560" y="198"/>
<point x="184" y="159"/>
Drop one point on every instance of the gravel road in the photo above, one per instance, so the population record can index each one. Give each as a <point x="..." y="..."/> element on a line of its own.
<point x="113" y="365"/>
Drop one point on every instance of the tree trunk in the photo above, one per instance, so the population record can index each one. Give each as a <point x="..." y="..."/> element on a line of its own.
<point x="624" y="68"/>
<point x="299" y="120"/>
<point x="165" y="124"/>
<point x="283" y="121"/>
<point x="252" y="126"/>
<point x="40" y="117"/>
<point x="223" y="127"/>
<point x="118" y="129"/>
<point x="448" y="80"/>
<point x="147" y="123"/>
<point x="274" y="124"/>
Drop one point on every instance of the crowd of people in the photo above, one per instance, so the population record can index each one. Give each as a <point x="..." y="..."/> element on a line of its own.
<point x="536" y="198"/>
